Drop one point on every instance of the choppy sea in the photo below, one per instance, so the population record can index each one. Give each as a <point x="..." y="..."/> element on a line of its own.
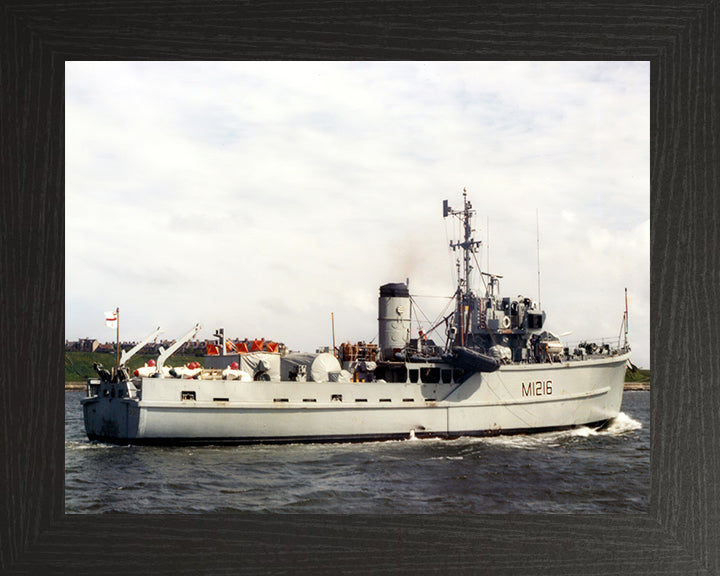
<point x="577" y="471"/>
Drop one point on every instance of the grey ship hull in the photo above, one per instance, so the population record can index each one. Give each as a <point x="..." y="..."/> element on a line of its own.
<point x="522" y="398"/>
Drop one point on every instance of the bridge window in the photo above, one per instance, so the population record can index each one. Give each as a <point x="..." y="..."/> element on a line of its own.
<point x="430" y="375"/>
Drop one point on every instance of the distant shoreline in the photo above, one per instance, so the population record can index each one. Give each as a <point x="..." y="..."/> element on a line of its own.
<point x="637" y="385"/>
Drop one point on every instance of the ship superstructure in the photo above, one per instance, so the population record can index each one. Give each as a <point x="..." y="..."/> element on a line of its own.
<point x="506" y="328"/>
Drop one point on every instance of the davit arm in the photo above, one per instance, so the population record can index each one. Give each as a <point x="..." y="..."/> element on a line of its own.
<point x="165" y="354"/>
<point x="126" y="355"/>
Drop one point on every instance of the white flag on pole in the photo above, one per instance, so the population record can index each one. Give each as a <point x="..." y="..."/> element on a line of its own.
<point x="111" y="319"/>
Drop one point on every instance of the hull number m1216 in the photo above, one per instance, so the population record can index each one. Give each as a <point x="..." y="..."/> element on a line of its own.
<point x="539" y="388"/>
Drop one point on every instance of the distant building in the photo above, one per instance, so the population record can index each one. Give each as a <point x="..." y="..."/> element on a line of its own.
<point x="82" y="345"/>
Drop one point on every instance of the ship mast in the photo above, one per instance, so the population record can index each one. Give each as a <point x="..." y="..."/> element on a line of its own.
<point x="469" y="247"/>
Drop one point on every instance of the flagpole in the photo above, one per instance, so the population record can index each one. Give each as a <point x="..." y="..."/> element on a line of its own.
<point x="117" y="338"/>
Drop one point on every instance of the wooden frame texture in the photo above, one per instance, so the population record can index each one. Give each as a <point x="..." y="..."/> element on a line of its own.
<point x="681" y="532"/>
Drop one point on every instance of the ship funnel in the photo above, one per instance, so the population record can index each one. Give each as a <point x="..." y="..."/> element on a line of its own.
<point x="393" y="319"/>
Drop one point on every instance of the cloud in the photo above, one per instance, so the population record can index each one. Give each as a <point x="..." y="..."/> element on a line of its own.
<point x="264" y="196"/>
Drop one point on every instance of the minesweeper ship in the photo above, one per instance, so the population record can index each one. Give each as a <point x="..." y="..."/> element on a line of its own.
<point x="499" y="372"/>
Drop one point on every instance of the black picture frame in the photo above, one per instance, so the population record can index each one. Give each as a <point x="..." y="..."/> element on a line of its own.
<point x="681" y="532"/>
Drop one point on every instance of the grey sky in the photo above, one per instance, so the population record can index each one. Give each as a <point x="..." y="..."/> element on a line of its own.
<point x="262" y="197"/>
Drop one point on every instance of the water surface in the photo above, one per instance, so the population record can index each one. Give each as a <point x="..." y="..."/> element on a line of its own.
<point x="578" y="471"/>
